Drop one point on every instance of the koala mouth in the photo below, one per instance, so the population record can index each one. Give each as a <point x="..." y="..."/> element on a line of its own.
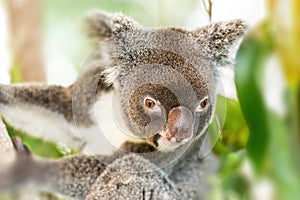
<point x="165" y="141"/>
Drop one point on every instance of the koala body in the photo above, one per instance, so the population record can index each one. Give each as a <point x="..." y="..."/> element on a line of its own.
<point x="165" y="85"/>
<point x="121" y="175"/>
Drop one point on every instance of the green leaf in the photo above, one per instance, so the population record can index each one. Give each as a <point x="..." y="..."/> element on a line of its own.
<point x="250" y="63"/>
<point x="234" y="133"/>
<point x="234" y="184"/>
<point x="283" y="170"/>
<point x="39" y="146"/>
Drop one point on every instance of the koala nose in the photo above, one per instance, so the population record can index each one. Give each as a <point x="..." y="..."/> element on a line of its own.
<point x="180" y="123"/>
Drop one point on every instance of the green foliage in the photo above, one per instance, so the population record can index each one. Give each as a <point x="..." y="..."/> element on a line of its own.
<point x="231" y="183"/>
<point x="15" y="74"/>
<point x="234" y="185"/>
<point x="282" y="168"/>
<point x="271" y="143"/>
<point x="39" y="146"/>
<point x="235" y="131"/>
<point x="270" y="146"/>
<point x="251" y="59"/>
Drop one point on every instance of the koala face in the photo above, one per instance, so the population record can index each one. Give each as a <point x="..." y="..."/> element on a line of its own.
<point x="166" y="78"/>
<point x="166" y="103"/>
<point x="161" y="116"/>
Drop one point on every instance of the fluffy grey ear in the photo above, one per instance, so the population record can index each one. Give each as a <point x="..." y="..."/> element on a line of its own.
<point x="103" y="25"/>
<point x="221" y="40"/>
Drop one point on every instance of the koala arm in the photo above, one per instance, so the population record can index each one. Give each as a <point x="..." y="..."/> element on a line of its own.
<point x="70" y="176"/>
<point x="51" y="98"/>
<point x="49" y="111"/>
<point x="55" y="98"/>
<point x="41" y="111"/>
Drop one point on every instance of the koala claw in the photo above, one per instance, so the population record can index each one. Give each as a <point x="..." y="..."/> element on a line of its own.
<point x="20" y="147"/>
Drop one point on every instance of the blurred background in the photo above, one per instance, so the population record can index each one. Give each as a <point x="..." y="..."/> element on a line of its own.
<point x="45" y="41"/>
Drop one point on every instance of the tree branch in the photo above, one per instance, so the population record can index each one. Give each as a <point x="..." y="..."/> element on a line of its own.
<point x="208" y="8"/>
<point x="5" y="141"/>
<point x="7" y="153"/>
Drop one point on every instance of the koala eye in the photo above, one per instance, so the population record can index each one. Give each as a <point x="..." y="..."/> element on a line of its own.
<point x="203" y="104"/>
<point x="149" y="103"/>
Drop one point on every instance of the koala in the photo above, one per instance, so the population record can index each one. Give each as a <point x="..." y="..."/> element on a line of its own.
<point x="121" y="175"/>
<point x="165" y="83"/>
<point x="164" y="79"/>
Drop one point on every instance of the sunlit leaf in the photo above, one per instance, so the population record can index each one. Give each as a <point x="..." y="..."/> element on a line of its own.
<point x="234" y="133"/>
<point x="39" y="146"/>
<point x="250" y="63"/>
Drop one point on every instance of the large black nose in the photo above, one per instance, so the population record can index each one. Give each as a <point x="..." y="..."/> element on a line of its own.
<point x="180" y="123"/>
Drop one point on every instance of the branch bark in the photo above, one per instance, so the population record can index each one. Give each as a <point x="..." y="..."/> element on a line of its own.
<point x="7" y="153"/>
<point x="208" y="8"/>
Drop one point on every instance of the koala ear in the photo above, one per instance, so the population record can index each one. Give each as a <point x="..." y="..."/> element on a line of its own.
<point x="102" y="25"/>
<point x="221" y="40"/>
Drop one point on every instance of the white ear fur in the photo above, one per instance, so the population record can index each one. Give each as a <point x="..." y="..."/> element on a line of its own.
<point x="111" y="74"/>
<point x="103" y="25"/>
<point x="220" y="40"/>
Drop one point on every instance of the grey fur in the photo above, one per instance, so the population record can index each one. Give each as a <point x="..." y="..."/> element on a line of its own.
<point x="168" y="64"/>
<point x="118" y="176"/>
<point x="121" y="184"/>
<point x="176" y="67"/>
<point x="221" y="40"/>
<point x="57" y="98"/>
<point x="103" y="25"/>
<point x="54" y="109"/>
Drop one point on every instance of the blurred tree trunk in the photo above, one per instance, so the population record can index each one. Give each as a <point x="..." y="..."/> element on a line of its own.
<point x="25" y="18"/>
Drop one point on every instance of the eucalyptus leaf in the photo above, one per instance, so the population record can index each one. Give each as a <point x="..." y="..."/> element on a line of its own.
<point x="250" y="63"/>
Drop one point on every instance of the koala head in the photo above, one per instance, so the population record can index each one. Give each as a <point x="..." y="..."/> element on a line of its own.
<point x="166" y="78"/>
